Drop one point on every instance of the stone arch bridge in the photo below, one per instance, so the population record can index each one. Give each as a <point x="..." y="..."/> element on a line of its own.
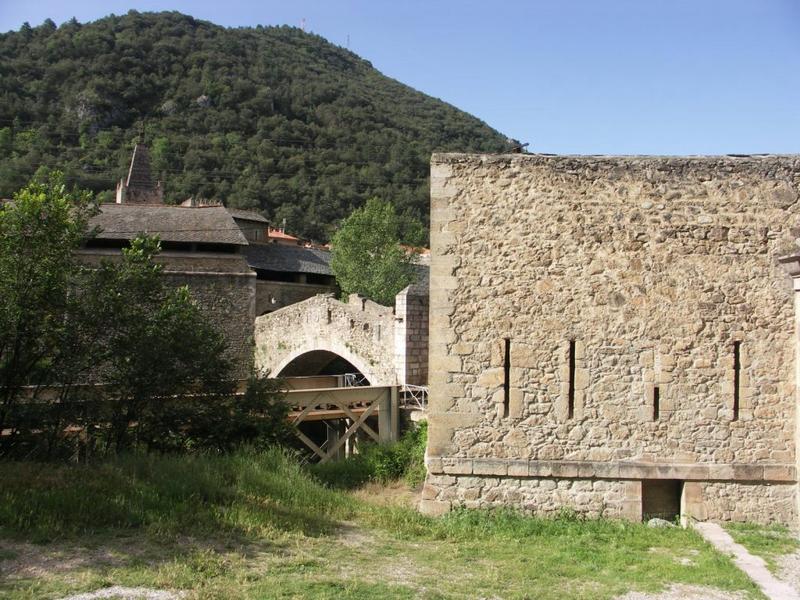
<point x="386" y="346"/>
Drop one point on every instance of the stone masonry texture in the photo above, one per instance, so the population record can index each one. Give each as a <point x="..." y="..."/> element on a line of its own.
<point x="360" y="331"/>
<point x="650" y="330"/>
<point x="411" y="336"/>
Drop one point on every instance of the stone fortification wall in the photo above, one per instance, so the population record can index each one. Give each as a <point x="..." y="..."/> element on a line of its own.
<point x="228" y="299"/>
<point x="613" y="319"/>
<point x="360" y="331"/>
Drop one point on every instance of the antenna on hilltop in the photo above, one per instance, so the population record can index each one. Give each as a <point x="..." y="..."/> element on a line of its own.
<point x="348" y="41"/>
<point x="303" y="23"/>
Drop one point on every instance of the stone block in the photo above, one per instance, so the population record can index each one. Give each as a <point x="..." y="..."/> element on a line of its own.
<point x="631" y="510"/>
<point x="540" y="468"/>
<point x="446" y="363"/>
<point x="491" y="378"/>
<point x="433" y="464"/>
<point x="457" y="466"/>
<point x="748" y="472"/>
<point x="780" y="473"/>
<point x="582" y="379"/>
<point x="430" y="492"/>
<point x="564" y="469"/>
<point x="518" y="468"/>
<point x="490" y="467"/>
<point x="463" y="348"/>
<point x="442" y="425"/>
<point x="634" y="471"/>
<point x="606" y="470"/>
<point x="516" y="398"/>
<point x="720" y="472"/>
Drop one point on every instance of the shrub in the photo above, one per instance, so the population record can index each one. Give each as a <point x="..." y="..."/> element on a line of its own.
<point x="381" y="463"/>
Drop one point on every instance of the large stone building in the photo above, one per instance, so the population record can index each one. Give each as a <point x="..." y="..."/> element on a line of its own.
<point x="288" y="269"/>
<point x="614" y="335"/>
<point x="202" y="248"/>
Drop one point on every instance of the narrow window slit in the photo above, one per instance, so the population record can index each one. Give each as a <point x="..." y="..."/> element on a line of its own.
<point x="656" y="403"/>
<point x="506" y="377"/>
<point x="737" y="368"/>
<point x="571" y="392"/>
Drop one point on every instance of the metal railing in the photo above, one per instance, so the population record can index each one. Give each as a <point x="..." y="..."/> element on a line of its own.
<point x="354" y="380"/>
<point x="414" y="396"/>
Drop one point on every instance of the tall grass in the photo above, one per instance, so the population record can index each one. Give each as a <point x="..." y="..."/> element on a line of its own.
<point x="248" y="493"/>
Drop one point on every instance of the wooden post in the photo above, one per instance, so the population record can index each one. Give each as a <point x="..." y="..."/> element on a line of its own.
<point x="385" y="416"/>
<point x="395" y="414"/>
<point x="332" y="429"/>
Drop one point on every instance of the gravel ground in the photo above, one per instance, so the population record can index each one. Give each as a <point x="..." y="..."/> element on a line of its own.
<point x="789" y="568"/>
<point x="18" y="560"/>
<point x="126" y="593"/>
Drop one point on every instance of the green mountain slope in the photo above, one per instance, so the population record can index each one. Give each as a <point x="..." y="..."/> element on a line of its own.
<point x="266" y="117"/>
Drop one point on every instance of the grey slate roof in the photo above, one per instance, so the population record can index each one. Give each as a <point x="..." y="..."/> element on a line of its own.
<point x="203" y="224"/>
<point x="291" y="259"/>
<point x="247" y="215"/>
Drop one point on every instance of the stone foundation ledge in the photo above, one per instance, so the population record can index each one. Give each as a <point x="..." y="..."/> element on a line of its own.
<point x="779" y="473"/>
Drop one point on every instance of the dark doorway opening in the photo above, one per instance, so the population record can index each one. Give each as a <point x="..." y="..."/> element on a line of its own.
<point x="661" y="498"/>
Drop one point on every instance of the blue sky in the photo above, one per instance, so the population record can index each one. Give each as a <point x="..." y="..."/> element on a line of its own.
<point x="567" y="76"/>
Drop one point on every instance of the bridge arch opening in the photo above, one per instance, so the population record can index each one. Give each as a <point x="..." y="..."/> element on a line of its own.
<point x="319" y="362"/>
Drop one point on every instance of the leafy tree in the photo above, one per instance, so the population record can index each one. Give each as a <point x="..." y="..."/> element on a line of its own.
<point x="156" y="343"/>
<point x="367" y="258"/>
<point x="39" y="231"/>
<point x="112" y="349"/>
<point x="166" y="383"/>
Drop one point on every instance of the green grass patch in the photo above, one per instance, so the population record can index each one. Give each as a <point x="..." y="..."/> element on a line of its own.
<point x="257" y="525"/>
<point x="767" y="541"/>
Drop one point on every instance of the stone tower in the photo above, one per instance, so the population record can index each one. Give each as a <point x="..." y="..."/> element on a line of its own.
<point x="139" y="187"/>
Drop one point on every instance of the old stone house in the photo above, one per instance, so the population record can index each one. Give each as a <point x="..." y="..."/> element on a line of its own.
<point x="615" y="335"/>
<point x="288" y="269"/>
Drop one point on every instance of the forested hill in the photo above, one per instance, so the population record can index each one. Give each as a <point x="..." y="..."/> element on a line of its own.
<point x="267" y="117"/>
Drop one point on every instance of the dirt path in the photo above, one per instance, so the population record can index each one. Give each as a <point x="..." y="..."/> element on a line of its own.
<point x="754" y="566"/>
<point x="789" y="568"/>
<point x="685" y="592"/>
